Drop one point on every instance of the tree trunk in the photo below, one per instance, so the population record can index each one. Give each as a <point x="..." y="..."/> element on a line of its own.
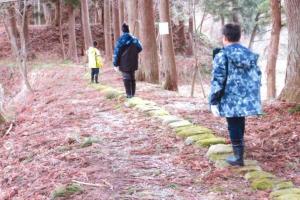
<point x="147" y="35"/>
<point x="116" y="22"/>
<point x="58" y="12"/>
<point x="291" y="90"/>
<point x="168" y="54"/>
<point x="47" y="14"/>
<point x="61" y="37"/>
<point x="107" y="31"/>
<point x="181" y="34"/>
<point x="12" y="21"/>
<point x="72" y="34"/>
<point x="254" y="31"/>
<point x="86" y="28"/>
<point x="189" y="51"/>
<point x="273" y="49"/>
<point x="133" y="16"/>
<point x="121" y="13"/>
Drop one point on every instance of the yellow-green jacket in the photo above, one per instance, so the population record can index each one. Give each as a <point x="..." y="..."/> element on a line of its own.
<point x="94" y="58"/>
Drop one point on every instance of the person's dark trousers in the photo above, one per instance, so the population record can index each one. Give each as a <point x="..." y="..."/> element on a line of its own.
<point x="236" y="128"/>
<point x="129" y="83"/>
<point x="94" y="75"/>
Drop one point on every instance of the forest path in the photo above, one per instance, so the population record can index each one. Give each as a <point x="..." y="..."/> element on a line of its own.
<point x="68" y="131"/>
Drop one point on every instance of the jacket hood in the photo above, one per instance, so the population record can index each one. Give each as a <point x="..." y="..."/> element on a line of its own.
<point x="128" y="38"/>
<point x="240" y="56"/>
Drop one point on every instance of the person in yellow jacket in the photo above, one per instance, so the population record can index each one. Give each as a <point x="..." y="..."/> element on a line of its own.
<point x="95" y="62"/>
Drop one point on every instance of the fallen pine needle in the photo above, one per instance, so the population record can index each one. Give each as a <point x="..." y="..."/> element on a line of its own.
<point x="89" y="184"/>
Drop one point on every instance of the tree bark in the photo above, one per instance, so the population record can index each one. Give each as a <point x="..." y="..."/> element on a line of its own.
<point x="133" y="16"/>
<point x="291" y="90"/>
<point x="148" y="39"/>
<point x="12" y="21"/>
<point x="61" y="37"/>
<point x="273" y="49"/>
<point x="86" y="29"/>
<point x="189" y="51"/>
<point x="116" y="22"/>
<point x="107" y="31"/>
<point x="47" y="14"/>
<point x="254" y="31"/>
<point x="168" y="54"/>
<point x="57" y="12"/>
<point x="121" y="13"/>
<point x="72" y="34"/>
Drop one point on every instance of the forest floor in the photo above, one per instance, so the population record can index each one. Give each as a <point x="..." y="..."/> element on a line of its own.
<point x="68" y="131"/>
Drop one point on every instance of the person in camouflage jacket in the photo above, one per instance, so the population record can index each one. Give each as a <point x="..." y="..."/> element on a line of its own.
<point x="235" y="88"/>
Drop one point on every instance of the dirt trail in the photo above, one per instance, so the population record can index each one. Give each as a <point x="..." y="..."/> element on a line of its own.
<point x="132" y="157"/>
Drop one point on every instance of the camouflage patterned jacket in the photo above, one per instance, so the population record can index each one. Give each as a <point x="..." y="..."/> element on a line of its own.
<point x="236" y="81"/>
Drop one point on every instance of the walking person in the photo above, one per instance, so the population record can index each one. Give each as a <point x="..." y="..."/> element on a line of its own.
<point x="94" y="62"/>
<point x="126" y="58"/>
<point x="235" y="88"/>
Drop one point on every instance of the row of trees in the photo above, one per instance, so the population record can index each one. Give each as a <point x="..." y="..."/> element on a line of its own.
<point x="141" y="16"/>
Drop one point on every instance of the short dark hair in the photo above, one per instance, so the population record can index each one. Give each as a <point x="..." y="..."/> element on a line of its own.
<point x="125" y="28"/>
<point x="95" y="43"/>
<point x="232" y="32"/>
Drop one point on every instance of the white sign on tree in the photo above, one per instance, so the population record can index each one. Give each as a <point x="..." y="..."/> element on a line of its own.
<point x="163" y="28"/>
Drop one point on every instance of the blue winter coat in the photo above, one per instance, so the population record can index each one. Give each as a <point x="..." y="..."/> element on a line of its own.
<point x="236" y="81"/>
<point x="122" y="43"/>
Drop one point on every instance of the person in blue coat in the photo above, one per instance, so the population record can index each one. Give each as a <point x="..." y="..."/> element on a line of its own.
<point x="126" y="59"/>
<point x="235" y="88"/>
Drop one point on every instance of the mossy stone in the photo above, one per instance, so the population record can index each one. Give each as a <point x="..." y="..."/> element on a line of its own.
<point x="160" y="112"/>
<point x="283" y="185"/>
<point x="168" y="119"/>
<point x="221" y="164"/>
<point x="194" y="138"/>
<point x="219" y="149"/>
<point x="66" y="191"/>
<point x="196" y="130"/>
<point x="134" y="102"/>
<point x="283" y="192"/>
<point x="111" y="93"/>
<point x="211" y="141"/>
<point x="288" y="197"/>
<point x="181" y="123"/>
<point x="216" y="157"/>
<point x="250" y="168"/>
<point x="250" y="176"/>
<point x="100" y="87"/>
<point x="262" y="184"/>
<point x="146" y="108"/>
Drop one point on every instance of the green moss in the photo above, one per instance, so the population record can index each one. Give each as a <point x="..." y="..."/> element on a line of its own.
<point x="111" y="93"/>
<point x="160" y="112"/>
<point x="288" y="197"/>
<point x="182" y="123"/>
<point x="279" y="193"/>
<point x="221" y="164"/>
<point x="168" y="119"/>
<point x="215" y="157"/>
<point x="219" y="149"/>
<point x="178" y="129"/>
<point x="262" y="184"/>
<point x="194" y="138"/>
<point x="88" y="142"/>
<point x="258" y="175"/>
<point x="247" y="169"/>
<point x="296" y="109"/>
<point x="211" y="141"/>
<point x="66" y="191"/>
<point x="196" y="130"/>
<point x="283" y="185"/>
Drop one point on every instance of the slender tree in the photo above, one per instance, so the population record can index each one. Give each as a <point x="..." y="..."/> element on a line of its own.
<point x="273" y="48"/>
<point x="168" y="49"/>
<point x="147" y="35"/>
<point x="107" y="30"/>
<point x="72" y="52"/>
<point x="116" y="22"/>
<point x="121" y="12"/>
<point x="291" y="90"/>
<point x="88" y="41"/>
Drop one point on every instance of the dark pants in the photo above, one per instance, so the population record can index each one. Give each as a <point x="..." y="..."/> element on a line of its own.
<point x="236" y="128"/>
<point x="94" y="74"/>
<point x="129" y="83"/>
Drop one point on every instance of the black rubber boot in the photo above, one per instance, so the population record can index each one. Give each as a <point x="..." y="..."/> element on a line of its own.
<point x="133" y="84"/>
<point x="96" y="78"/>
<point x="128" y="88"/>
<point x="238" y="154"/>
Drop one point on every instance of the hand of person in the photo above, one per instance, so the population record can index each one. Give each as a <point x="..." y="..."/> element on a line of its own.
<point x="215" y="111"/>
<point x="116" y="69"/>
